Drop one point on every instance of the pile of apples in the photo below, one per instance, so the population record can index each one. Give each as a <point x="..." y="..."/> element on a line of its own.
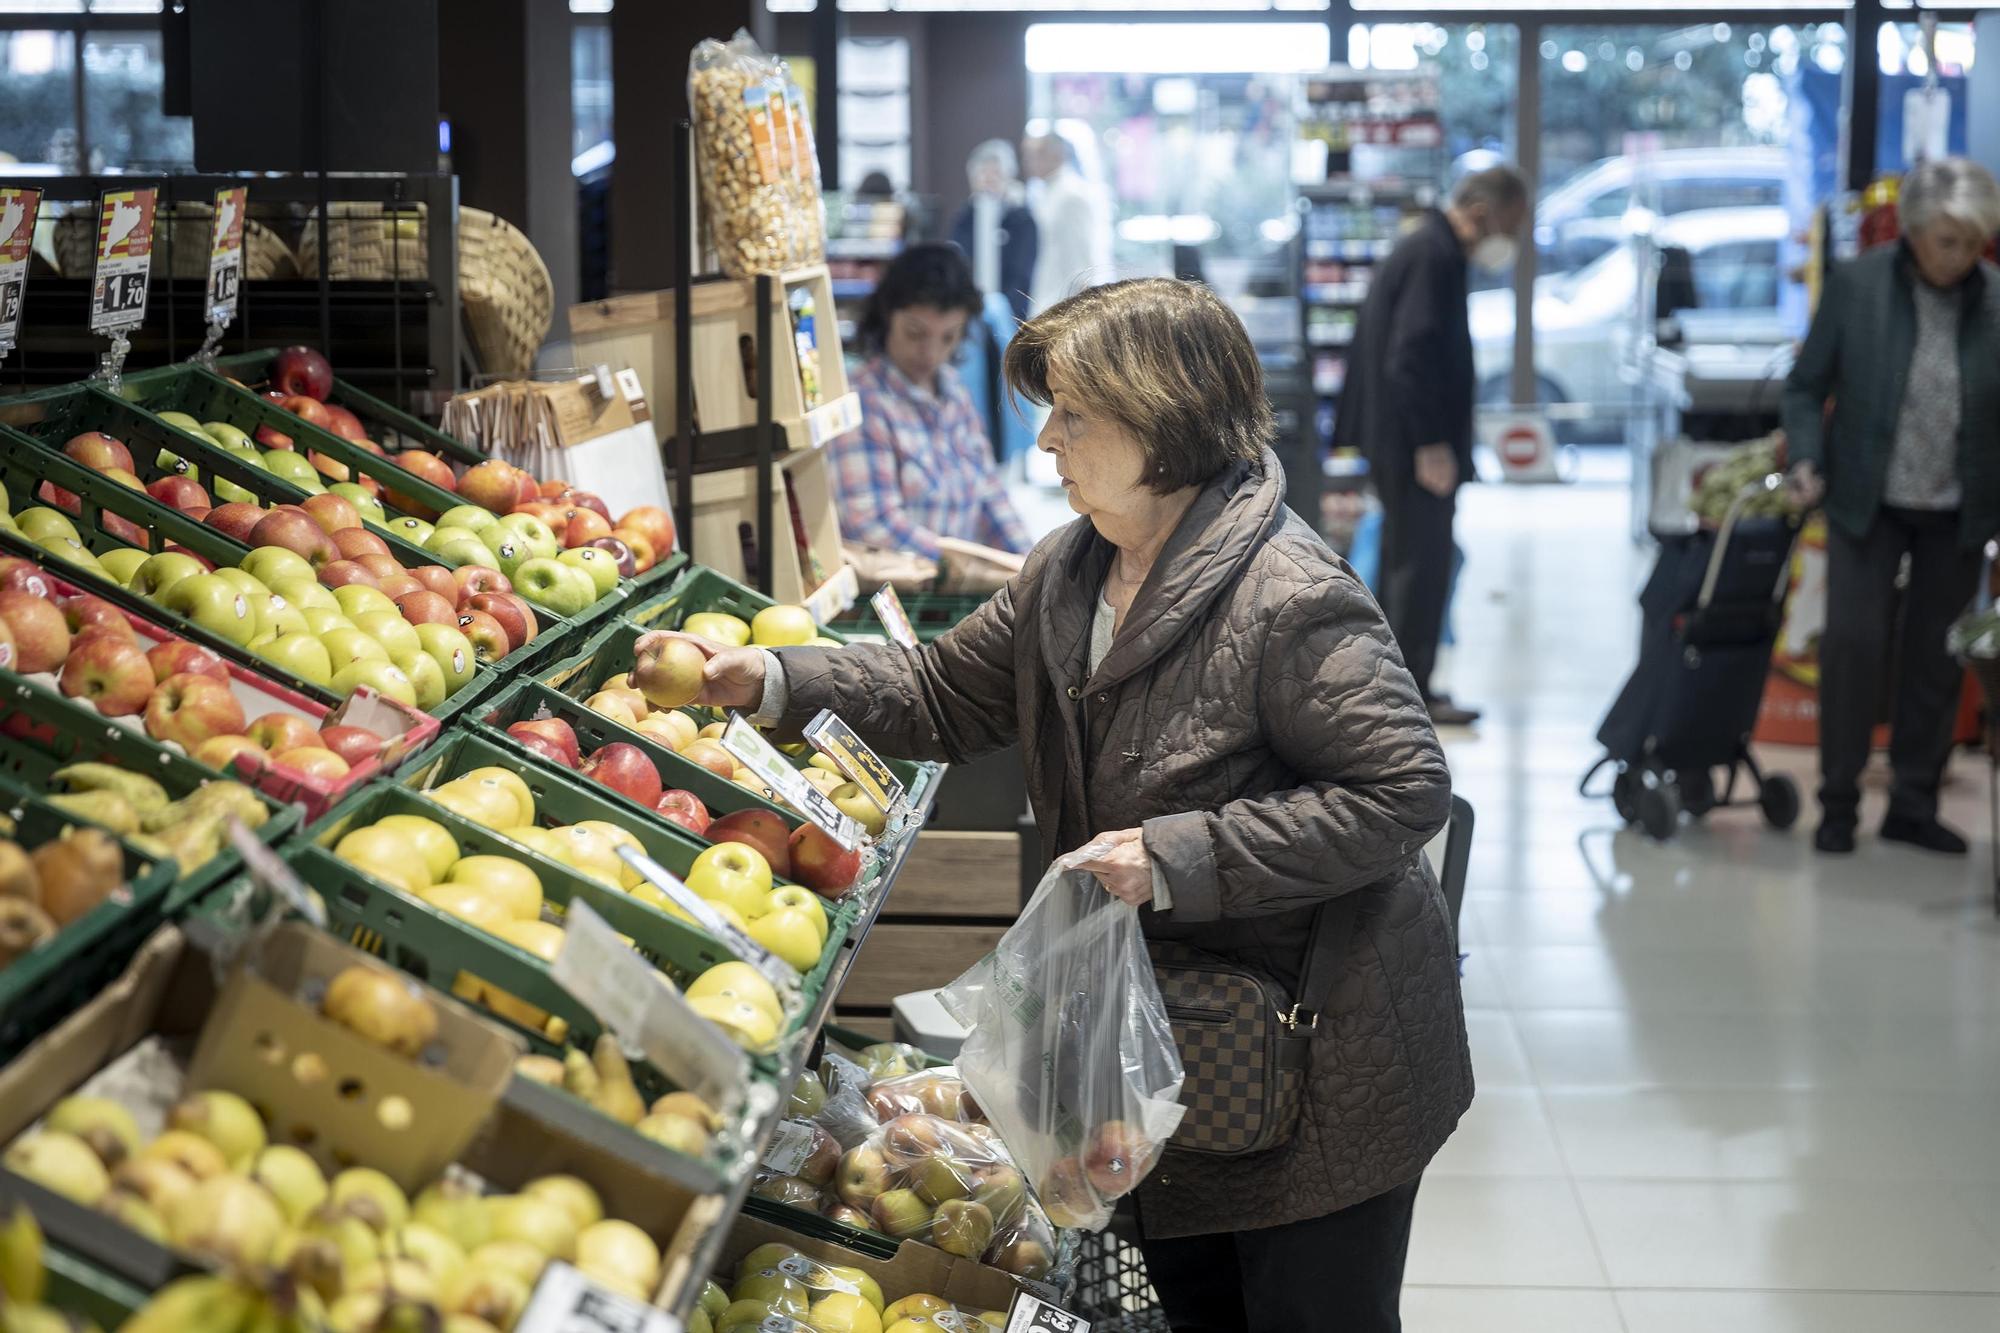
<point x="181" y="691"/>
<point x="503" y="896"/>
<point x="214" y="1187"/>
<point x="59" y="882"/>
<point x="525" y="551"/>
<point x="776" y="1280"/>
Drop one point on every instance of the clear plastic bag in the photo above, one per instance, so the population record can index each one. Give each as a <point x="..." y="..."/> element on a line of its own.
<point x="746" y="155"/>
<point x="808" y="207"/>
<point x="1068" y="1050"/>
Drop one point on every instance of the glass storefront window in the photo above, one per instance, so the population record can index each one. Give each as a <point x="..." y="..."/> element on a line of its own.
<point x="122" y="75"/>
<point x="590" y="88"/>
<point x="38" y="97"/>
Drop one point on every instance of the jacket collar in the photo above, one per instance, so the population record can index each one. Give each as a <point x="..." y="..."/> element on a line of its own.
<point x="1972" y="290"/>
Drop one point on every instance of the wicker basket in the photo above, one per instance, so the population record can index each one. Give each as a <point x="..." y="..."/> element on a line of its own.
<point x="366" y="243"/>
<point x="265" y="254"/>
<point x="509" y="298"/>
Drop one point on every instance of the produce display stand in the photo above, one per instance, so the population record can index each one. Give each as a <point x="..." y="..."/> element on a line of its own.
<point x="930" y="613"/>
<point x="388" y="425"/>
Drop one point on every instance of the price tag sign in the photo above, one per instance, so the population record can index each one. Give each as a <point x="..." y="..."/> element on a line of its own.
<point x="783" y="978"/>
<point x="1032" y="1314"/>
<point x="861" y="766"/>
<point x="124" y="260"/>
<point x="225" y="259"/>
<point x="271" y="873"/>
<point x="889" y="610"/>
<point x="767" y="762"/>
<point x="648" y="1015"/>
<point x="791" y="1144"/>
<point x="565" y="1301"/>
<point x="18" y="208"/>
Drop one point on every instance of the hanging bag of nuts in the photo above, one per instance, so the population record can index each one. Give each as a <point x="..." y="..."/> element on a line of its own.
<point x="746" y="156"/>
<point x="808" y="209"/>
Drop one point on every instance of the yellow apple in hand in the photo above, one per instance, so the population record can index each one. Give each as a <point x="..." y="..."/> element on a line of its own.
<point x="734" y="873"/>
<point x="797" y="895"/>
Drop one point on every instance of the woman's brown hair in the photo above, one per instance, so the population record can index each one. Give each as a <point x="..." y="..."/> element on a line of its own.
<point x="1166" y="359"/>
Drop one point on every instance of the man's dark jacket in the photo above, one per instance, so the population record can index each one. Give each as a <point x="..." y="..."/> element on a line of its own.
<point x="1409" y="372"/>
<point x="1858" y="354"/>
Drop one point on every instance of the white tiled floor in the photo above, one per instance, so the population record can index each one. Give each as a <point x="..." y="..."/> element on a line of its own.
<point x="1724" y="1085"/>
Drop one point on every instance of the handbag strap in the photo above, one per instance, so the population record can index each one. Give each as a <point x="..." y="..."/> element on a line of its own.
<point x="1333" y="928"/>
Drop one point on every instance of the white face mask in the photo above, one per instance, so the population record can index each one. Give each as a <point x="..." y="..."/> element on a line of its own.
<point x="1495" y="254"/>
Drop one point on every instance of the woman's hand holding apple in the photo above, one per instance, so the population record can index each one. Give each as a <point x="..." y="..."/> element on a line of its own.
<point x="731" y="677"/>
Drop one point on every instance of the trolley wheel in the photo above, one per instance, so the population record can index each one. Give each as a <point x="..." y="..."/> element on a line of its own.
<point x="1778" y="798"/>
<point x="1625" y="789"/>
<point x="1697" y="788"/>
<point x="1660" y="810"/>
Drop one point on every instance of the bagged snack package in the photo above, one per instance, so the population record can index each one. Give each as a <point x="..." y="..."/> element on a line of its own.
<point x="1068" y="1052"/>
<point x="743" y="146"/>
<point x="808" y="207"/>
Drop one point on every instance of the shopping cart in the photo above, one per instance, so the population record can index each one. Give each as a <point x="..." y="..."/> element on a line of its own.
<point x="1710" y="615"/>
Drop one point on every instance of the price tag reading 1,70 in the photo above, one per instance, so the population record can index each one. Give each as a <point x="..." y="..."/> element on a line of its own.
<point x="124" y="260"/>
<point x="889" y="610"/>
<point x="764" y="759"/>
<point x="861" y="766"/>
<point x="18" y="208"/>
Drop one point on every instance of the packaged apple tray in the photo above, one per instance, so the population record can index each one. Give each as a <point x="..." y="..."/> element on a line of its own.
<point x="42" y="737"/>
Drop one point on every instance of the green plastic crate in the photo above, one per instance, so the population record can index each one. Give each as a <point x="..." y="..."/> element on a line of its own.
<point x="699" y="589"/>
<point x="43" y="732"/>
<point x="42" y="986"/>
<point x="78" y="1287"/>
<point x="930" y="613"/>
<point x="387" y="424"/>
<point x="23" y="462"/>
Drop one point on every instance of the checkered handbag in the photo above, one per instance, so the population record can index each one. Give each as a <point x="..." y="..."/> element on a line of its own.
<point x="1244" y="1043"/>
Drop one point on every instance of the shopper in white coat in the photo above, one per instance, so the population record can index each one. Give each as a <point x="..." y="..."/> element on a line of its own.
<point x="1072" y="222"/>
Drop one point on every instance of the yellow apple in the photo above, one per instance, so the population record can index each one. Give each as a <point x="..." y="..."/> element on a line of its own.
<point x="824" y="780"/>
<point x="589" y="852"/>
<point x="387" y="853"/>
<point x="823" y="763"/>
<point x="734" y="873"/>
<point x="782" y="627"/>
<point x="617" y="837"/>
<point x="542" y="940"/>
<point x="797" y="895"/>
<point x="513" y="887"/>
<point x="789" y="933"/>
<point x="746" y="1024"/>
<point x="616" y="705"/>
<point x="533" y="837"/>
<point x="736" y="980"/>
<point x="514" y="783"/>
<point x="844" y="1312"/>
<point x="487" y="805"/>
<point x="670" y="727"/>
<point x="468" y="904"/>
<point x="858" y="806"/>
<point x="431" y="839"/>
<point x="712" y="732"/>
<point x="717" y="627"/>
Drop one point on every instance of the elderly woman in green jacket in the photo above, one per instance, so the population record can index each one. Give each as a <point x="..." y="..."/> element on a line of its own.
<point x="1906" y="346"/>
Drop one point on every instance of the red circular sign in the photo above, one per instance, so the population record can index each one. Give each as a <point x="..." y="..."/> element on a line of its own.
<point x="1520" y="445"/>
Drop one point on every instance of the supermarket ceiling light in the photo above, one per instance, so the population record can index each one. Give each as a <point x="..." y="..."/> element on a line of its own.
<point x="1043" y="6"/>
<point x="1178" y="48"/>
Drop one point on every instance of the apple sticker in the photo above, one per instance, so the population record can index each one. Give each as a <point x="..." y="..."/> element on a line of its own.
<point x="242" y="608"/>
<point x="457" y="660"/>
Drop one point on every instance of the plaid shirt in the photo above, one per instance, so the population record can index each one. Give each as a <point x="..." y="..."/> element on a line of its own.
<point x="920" y="468"/>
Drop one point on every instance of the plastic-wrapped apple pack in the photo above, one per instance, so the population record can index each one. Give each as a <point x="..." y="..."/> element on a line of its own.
<point x="1068" y="1050"/>
<point x="775" y="1289"/>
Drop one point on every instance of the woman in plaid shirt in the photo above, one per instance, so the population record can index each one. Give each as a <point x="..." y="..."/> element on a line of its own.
<point x="920" y="467"/>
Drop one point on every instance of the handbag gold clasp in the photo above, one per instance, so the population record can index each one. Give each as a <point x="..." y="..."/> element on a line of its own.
<point x="1297" y="1017"/>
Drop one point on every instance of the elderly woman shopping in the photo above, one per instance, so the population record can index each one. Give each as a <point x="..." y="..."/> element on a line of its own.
<point x="1906" y="347"/>
<point x="1195" y="679"/>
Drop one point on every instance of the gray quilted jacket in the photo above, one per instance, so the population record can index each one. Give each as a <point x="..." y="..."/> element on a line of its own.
<point x="1254" y="716"/>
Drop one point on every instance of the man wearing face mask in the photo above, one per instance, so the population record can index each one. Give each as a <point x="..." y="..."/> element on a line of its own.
<point x="1407" y="404"/>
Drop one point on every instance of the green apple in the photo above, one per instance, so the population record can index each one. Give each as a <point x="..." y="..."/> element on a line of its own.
<point x="396" y="635"/>
<point x="345" y="646"/>
<point x="304" y="593"/>
<point x="40" y="522"/>
<point x="427" y="679"/>
<point x="412" y="530"/>
<point x="157" y="573"/>
<point x="541" y="539"/>
<point x="232" y="438"/>
<point x="385" y="678"/>
<point x="123" y="563"/>
<point x="507" y="552"/>
<point x="302" y="654"/>
<point x="452" y="651"/>
<point x="228" y="491"/>
<point x="278" y="616"/>
<point x="554" y="586"/>
<point x="320" y="619"/>
<point x="271" y="565"/>
<point x="72" y="550"/>
<point x="458" y="546"/>
<point x="296" y="469"/>
<point x="366" y="505"/>
<point x="169" y="461"/>
<point x="245" y="582"/>
<point x="182" y="421"/>
<point x="214" y="603"/>
<point x="356" y="599"/>
<point x="263" y="638"/>
<point x="599" y="565"/>
<point x="472" y="518"/>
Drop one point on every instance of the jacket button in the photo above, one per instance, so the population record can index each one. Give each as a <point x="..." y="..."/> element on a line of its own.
<point x="1073" y="692"/>
<point x="1104" y="698"/>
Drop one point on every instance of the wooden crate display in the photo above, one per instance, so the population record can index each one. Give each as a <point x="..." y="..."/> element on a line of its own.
<point x="725" y="510"/>
<point x="638" y="331"/>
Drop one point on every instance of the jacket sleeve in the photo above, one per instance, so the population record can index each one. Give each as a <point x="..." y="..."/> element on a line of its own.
<point x="1814" y="375"/>
<point x="951" y="700"/>
<point x="1345" y="717"/>
<point x="1415" y="345"/>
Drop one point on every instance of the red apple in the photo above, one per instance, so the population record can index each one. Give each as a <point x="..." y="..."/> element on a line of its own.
<point x="221" y="752"/>
<point x="520" y="604"/>
<point x="344" y="423"/>
<point x="587" y="500"/>
<point x="505" y="609"/>
<point x="494" y="484"/>
<point x="98" y="451"/>
<point x="302" y="370"/>
<point x="82" y="612"/>
<point x="644" y="557"/>
<point x="584" y="527"/>
<point x="314" y="761"/>
<point x="653" y="523"/>
<point x="424" y="607"/>
<point x="437" y="579"/>
<point x="293" y="528"/>
<point x="199" y="559"/>
<point x="380" y="564"/>
<point x="397" y="584"/>
<point x="309" y="410"/>
<point x="191" y="708"/>
<point x="620" y="553"/>
<point x="765" y="830"/>
<point x="41" y="636"/>
<point x="330" y="468"/>
<point x="489" y="641"/>
<point x="195" y="512"/>
<point x="125" y="530"/>
<point x="1116" y="1157"/>
<point x="234" y="519"/>
<point x="22" y="575"/>
<point x="273" y="439"/>
<point x="343" y="572"/>
<point x="333" y="513"/>
<point x="475" y="579"/>
<point x="178" y="657"/>
<point x="355" y="542"/>
<point x="6" y="647"/>
<point x="356" y="745"/>
<point x="684" y="808"/>
<point x="278" y="730"/>
<point x="51" y="494"/>
<point x="544" y="747"/>
<point x="108" y="670"/>
<point x="552" y="732"/>
<point x="624" y="768"/>
<point x="711" y="756"/>
<point x="273" y="395"/>
<point x="554" y="488"/>
<point x="183" y="493"/>
<point x="820" y="863"/>
<point x="125" y="477"/>
<point x="432" y="469"/>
